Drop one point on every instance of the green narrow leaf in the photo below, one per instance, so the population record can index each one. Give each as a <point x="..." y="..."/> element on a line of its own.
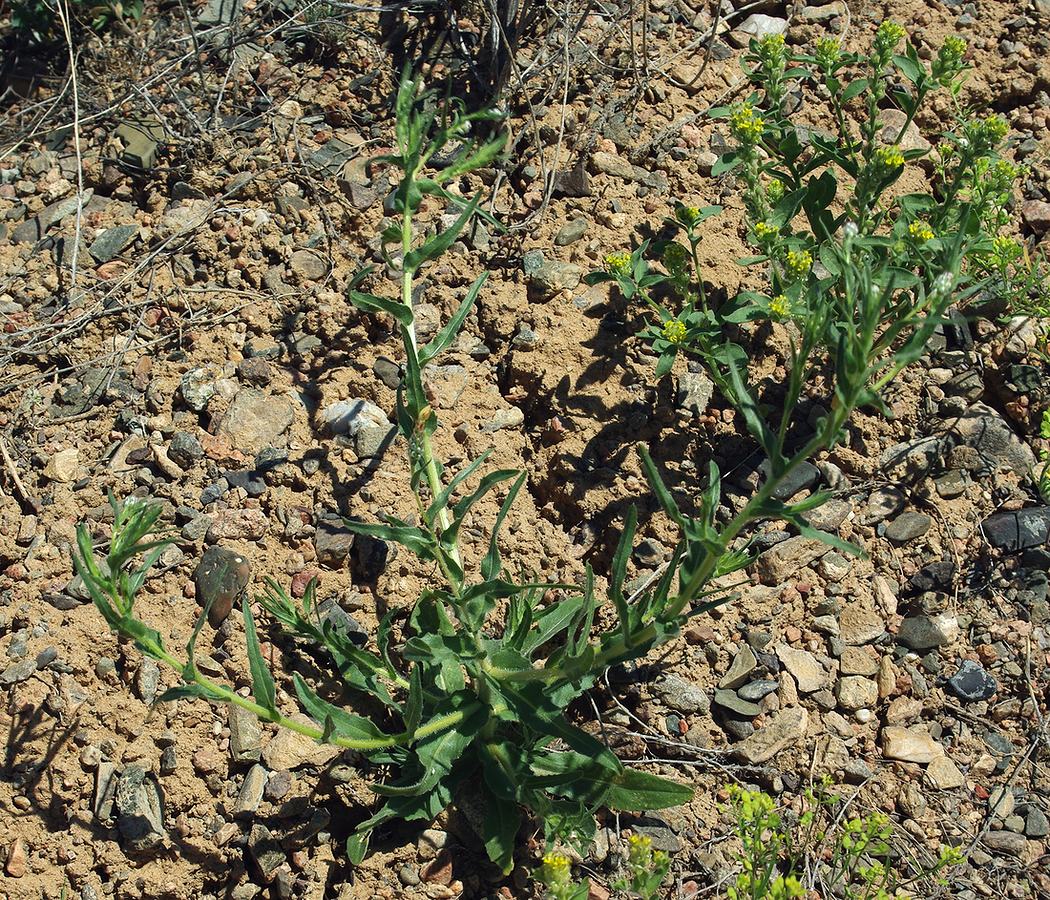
<point x="373" y="304"/>
<point x="502" y="821"/>
<point x="440" y="242"/>
<point x="414" y="706"/>
<point x="444" y="338"/>
<point x="652" y="475"/>
<point x="635" y="791"/>
<point x="262" y="680"/>
<point x="491" y="564"/>
<point x="344" y="724"/>
<point x="619" y="572"/>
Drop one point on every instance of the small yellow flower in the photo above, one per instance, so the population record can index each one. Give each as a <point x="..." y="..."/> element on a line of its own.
<point x="889" y="158"/>
<point x="688" y="215"/>
<point x="764" y="230"/>
<point x="994" y="129"/>
<point x="674" y="332"/>
<point x="775" y="191"/>
<point x="745" y="124"/>
<point x="798" y="263"/>
<point x="887" y="37"/>
<point x="556" y="870"/>
<point x="779" y="305"/>
<point x="920" y="231"/>
<point x="618" y="263"/>
<point x="1006" y="247"/>
<point x="827" y="52"/>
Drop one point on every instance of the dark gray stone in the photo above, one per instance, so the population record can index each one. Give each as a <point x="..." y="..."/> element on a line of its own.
<point x="908" y="526"/>
<point x="756" y="690"/>
<point x="972" y="683"/>
<point x="139" y="805"/>
<point x="332" y="541"/>
<point x="801" y="478"/>
<point x="112" y="241"/>
<point x="1020" y="530"/>
<point x="731" y="701"/>
<point x="184" y="449"/>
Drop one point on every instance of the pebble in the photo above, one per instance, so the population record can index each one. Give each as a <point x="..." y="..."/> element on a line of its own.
<point x="16" y="864"/>
<point x="245" y="735"/>
<point x="1021" y="530"/>
<point x="927" y="632"/>
<point x="780" y="562"/>
<point x="908" y="526"/>
<point x="220" y="578"/>
<point x="909" y="745"/>
<point x="256" y="420"/>
<point x="854" y="692"/>
<point x="972" y="683"/>
<point x="139" y="805"/>
<point x="251" y="793"/>
<point x="787" y="729"/>
<point x="943" y="775"/>
<point x="695" y="391"/>
<point x="571" y="232"/>
<point x="744" y="664"/>
<point x="808" y="673"/>
<point x="548" y="278"/>
<point x="682" y="696"/>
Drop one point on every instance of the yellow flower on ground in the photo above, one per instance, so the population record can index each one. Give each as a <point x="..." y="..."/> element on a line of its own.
<point x="618" y="263"/>
<point x="798" y="263"/>
<point x="745" y="124"/>
<point x="779" y="305"/>
<point x="920" y="231"/>
<point x="674" y="331"/>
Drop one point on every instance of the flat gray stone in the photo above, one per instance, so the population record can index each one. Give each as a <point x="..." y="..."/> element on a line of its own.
<point x="140" y="808"/>
<point x="256" y="420"/>
<point x="112" y="241"/>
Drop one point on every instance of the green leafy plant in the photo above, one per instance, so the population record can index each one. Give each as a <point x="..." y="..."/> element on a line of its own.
<point x="473" y="686"/>
<point x="37" y="22"/>
<point x="846" y="857"/>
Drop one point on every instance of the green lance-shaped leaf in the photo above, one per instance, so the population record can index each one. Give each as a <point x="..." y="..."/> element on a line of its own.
<point x="444" y="338"/>
<point x="491" y="564"/>
<point x="619" y="573"/>
<point x="262" y="680"/>
<point x="442" y="241"/>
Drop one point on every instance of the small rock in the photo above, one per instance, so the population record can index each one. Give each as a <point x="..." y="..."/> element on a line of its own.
<point x="550" y="277"/>
<point x="571" y="232"/>
<point x="908" y="526"/>
<point x="927" y="632"/>
<point x="760" y="26"/>
<point x="756" y="690"/>
<point x="251" y="793"/>
<point x="16" y="864"/>
<point x="777" y="564"/>
<point x="332" y="541"/>
<point x="744" y="664"/>
<point x="787" y="729"/>
<point x="694" y="392"/>
<point x="1037" y="214"/>
<point x="909" y="745"/>
<point x="911" y="801"/>
<point x="983" y="429"/>
<point x="63" y="466"/>
<point x="972" y="683"/>
<point x="266" y="851"/>
<point x="1035" y="823"/>
<point x="111" y="241"/>
<point x="943" y="775"/>
<point x="681" y="695"/>
<point x="220" y="578"/>
<point x="245" y="735"/>
<point x="1001" y="802"/>
<point x="856" y="692"/>
<point x="289" y="750"/>
<point x="140" y="808"/>
<point x="238" y="525"/>
<point x="308" y="265"/>
<point x="1021" y="530"/>
<point x="431" y="842"/>
<point x="912" y="460"/>
<point x="860" y="625"/>
<point x="808" y="673"/>
<point x="511" y="417"/>
<point x="729" y="700"/>
<point x="1005" y="842"/>
<point x="256" y="420"/>
<point x="882" y="503"/>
